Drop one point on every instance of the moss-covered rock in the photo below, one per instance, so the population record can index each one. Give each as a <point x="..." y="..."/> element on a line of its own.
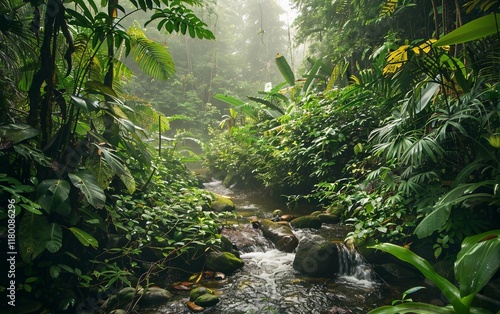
<point x="328" y="218"/>
<point x="222" y="204"/>
<point x="306" y="222"/>
<point x="223" y="261"/>
<point x="317" y="257"/>
<point x="281" y="235"/>
<point x="119" y="300"/>
<point x="277" y="213"/>
<point x="226" y="245"/>
<point x="207" y="300"/>
<point x="198" y="292"/>
<point x="154" y="296"/>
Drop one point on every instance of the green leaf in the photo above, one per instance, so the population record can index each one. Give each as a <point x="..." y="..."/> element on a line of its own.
<point x="447" y="288"/>
<point x="15" y="133"/>
<point x="151" y="57"/>
<point x="119" y="168"/>
<point x="87" y="183"/>
<point x="413" y="290"/>
<point x="54" y="271"/>
<point x="85" y="104"/>
<point x="101" y="170"/>
<point x="268" y="104"/>
<point x="53" y="194"/>
<point x="413" y="308"/>
<point x="311" y="76"/>
<point x="432" y="222"/>
<point x="84" y="238"/>
<point x="33" y="234"/>
<point x="230" y="100"/>
<point x="79" y="19"/>
<point x="424" y="95"/>
<point x="285" y="70"/>
<point x="358" y="148"/>
<point x="54" y="242"/>
<point x="477" y="261"/>
<point x="475" y="29"/>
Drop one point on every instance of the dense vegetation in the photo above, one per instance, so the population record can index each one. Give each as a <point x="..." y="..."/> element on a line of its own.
<point x="95" y="197"/>
<point x="393" y="124"/>
<point x="397" y="133"/>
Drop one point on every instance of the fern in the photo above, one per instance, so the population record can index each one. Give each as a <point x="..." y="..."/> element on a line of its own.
<point x="151" y="57"/>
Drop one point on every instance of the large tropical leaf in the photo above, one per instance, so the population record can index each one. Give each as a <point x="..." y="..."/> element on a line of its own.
<point x="53" y="195"/>
<point x="54" y="242"/>
<point x="462" y="193"/>
<point x="118" y="167"/>
<point x="151" y="57"/>
<point x="424" y="95"/>
<point x="336" y="74"/>
<point x="230" y="100"/>
<point x="87" y="183"/>
<point x="475" y="29"/>
<point x="311" y="76"/>
<point x="33" y="234"/>
<point x="84" y="238"/>
<point x="434" y="221"/>
<point x="447" y="288"/>
<point x="413" y="308"/>
<point x="101" y="170"/>
<point x="477" y="261"/>
<point x="285" y="70"/>
<point x="14" y="133"/>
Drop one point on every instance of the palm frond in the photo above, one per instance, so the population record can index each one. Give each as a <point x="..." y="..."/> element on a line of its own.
<point x="421" y="149"/>
<point x="388" y="8"/>
<point x="150" y="56"/>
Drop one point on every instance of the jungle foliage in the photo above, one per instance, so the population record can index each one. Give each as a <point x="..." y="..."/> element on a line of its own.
<point x="99" y="199"/>
<point x="393" y="124"/>
<point x="397" y="133"/>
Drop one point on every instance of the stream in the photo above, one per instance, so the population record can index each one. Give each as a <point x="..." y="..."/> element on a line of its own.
<point x="269" y="284"/>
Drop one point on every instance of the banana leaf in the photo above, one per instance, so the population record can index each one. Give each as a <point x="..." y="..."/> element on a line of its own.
<point x="477" y="261"/>
<point x="447" y="288"/>
<point x="475" y="29"/>
<point x="285" y="70"/>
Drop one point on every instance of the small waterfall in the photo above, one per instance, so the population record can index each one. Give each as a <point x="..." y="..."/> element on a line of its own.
<point x="352" y="264"/>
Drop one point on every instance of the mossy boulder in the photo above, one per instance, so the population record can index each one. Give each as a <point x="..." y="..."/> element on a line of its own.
<point x="223" y="261"/>
<point x="119" y="300"/>
<point x="198" y="292"/>
<point x="317" y="257"/>
<point x="306" y="222"/>
<point x="207" y="300"/>
<point x="328" y="218"/>
<point x="281" y="235"/>
<point x="277" y="213"/>
<point x="155" y="296"/>
<point x="222" y="204"/>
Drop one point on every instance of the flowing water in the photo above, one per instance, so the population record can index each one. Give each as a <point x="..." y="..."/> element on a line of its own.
<point x="269" y="284"/>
